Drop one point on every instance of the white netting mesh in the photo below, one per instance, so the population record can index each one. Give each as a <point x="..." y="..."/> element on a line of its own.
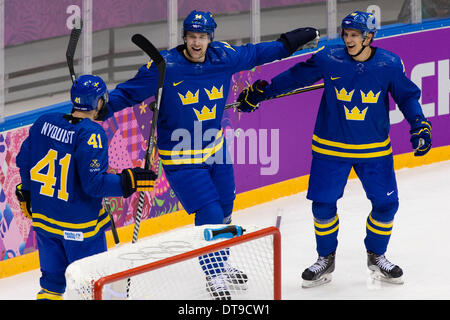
<point x="240" y="271"/>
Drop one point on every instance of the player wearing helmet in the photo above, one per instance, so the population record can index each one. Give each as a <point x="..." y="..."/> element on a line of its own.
<point x="352" y="131"/>
<point x="198" y="32"/>
<point x="63" y="164"/>
<point x="358" y="30"/>
<point x="197" y="82"/>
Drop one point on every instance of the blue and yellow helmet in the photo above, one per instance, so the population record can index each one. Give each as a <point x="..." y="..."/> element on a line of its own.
<point x="362" y="21"/>
<point x="199" y="21"/>
<point x="86" y="91"/>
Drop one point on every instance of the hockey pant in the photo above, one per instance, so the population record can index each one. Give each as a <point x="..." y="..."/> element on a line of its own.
<point x="326" y="185"/>
<point x="56" y="254"/>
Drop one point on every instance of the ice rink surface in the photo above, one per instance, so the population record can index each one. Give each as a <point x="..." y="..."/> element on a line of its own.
<point x="419" y="242"/>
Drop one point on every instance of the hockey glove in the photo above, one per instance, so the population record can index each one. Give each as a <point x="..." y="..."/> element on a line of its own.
<point x="24" y="198"/>
<point x="251" y="97"/>
<point x="421" y="137"/>
<point x="300" y="38"/>
<point x="137" y="179"/>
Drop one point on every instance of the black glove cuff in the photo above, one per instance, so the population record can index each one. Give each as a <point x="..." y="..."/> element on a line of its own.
<point x="294" y="39"/>
<point x="22" y="195"/>
<point x="127" y="183"/>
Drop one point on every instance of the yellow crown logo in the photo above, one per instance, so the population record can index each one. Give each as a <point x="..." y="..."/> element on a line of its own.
<point x="370" y="97"/>
<point x="205" y="113"/>
<point x="355" y="114"/>
<point x="189" y="98"/>
<point x="215" y="93"/>
<point x="343" y="95"/>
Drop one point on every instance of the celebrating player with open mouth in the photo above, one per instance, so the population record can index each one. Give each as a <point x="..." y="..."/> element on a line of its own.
<point x="352" y="131"/>
<point x="197" y="82"/>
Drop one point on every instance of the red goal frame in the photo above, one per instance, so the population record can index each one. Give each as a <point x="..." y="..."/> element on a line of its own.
<point x="269" y="231"/>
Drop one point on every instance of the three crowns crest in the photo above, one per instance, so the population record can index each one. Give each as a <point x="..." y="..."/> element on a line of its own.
<point x="205" y="113"/>
<point x="191" y="98"/>
<point x="355" y="113"/>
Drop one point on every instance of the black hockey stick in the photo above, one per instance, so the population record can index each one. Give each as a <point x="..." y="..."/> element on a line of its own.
<point x="70" y="54"/>
<point x="290" y="93"/>
<point x="72" y="46"/>
<point x="146" y="46"/>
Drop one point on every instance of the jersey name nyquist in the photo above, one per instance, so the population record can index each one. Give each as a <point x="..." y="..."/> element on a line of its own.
<point x="57" y="133"/>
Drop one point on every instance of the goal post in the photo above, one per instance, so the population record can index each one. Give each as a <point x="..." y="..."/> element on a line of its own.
<point x="169" y="266"/>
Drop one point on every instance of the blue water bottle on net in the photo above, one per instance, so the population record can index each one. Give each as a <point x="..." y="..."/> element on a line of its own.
<point x="226" y="232"/>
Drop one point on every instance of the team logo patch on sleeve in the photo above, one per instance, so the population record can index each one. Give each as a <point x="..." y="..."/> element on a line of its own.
<point x="94" y="165"/>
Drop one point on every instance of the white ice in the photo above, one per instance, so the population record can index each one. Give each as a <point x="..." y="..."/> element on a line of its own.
<point x="418" y="242"/>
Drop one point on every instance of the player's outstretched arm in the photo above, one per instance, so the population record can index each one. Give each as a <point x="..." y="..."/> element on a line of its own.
<point x="248" y="56"/>
<point x="300" y="75"/>
<point x="135" y="90"/>
<point x="300" y="38"/>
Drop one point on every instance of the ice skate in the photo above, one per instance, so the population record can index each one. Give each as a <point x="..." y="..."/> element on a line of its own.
<point x="235" y="278"/>
<point x="382" y="269"/>
<point x="320" y="272"/>
<point x="216" y="287"/>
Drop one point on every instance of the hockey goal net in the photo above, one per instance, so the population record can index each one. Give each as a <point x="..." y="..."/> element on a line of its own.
<point x="180" y="264"/>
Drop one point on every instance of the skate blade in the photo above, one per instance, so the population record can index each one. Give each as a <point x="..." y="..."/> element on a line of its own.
<point x="377" y="275"/>
<point x="315" y="283"/>
<point x="234" y="284"/>
<point x="219" y="295"/>
<point x="237" y="287"/>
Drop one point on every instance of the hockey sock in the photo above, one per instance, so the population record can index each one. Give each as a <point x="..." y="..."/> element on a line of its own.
<point x="213" y="263"/>
<point x="44" y="294"/>
<point x="211" y="213"/>
<point x="227" y="210"/>
<point x="379" y="227"/>
<point x="326" y="227"/>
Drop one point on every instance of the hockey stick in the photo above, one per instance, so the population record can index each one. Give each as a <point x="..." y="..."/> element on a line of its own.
<point x="420" y="145"/>
<point x="71" y="47"/>
<point x="146" y="46"/>
<point x="290" y="93"/>
<point x="70" y="54"/>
